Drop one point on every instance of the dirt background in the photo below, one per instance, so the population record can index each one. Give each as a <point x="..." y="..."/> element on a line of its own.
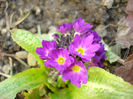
<point x="48" y="14"/>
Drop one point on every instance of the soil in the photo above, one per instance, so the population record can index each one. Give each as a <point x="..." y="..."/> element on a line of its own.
<point x="47" y="13"/>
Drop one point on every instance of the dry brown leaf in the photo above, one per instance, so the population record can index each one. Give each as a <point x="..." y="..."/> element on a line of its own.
<point x="129" y="11"/>
<point x="129" y="7"/>
<point x="125" y="35"/>
<point x="126" y="71"/>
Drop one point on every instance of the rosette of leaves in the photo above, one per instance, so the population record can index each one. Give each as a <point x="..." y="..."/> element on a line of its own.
<point x="101" y="84"/>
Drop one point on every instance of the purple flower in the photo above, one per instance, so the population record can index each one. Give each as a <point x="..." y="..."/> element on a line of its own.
<point x="96" y="38"/>
<point x="83" y="44"/>
<point x="100" y="55"/>
<point x="84" y="47"/>
<point x="64" y="28"/>
<point x="80" y="26"/>
<point x="76" y="73"/>
<point x="47" y="46"/>
<point x="59" y="59"/>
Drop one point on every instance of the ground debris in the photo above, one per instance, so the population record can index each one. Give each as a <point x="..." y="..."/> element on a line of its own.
<point x="126" y="28"/>
<point x="126" y="71"/>
<point x="123" y="36"/>
<point x="22" y="54"/>
<point x="31" y="60"/>
<point x="108" y="3"/>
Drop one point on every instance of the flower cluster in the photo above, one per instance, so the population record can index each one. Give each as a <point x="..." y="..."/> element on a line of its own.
<point x="77" y="45"/>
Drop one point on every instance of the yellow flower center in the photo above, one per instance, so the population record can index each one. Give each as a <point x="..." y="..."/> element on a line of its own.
<point x="76" y="68"/>
<point x="81" y="51"/>
<point x="47" y="53"/>
<point x="61" y="60"/>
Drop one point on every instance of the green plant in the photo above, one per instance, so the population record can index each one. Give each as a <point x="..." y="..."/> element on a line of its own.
<point x="100" y="84"/>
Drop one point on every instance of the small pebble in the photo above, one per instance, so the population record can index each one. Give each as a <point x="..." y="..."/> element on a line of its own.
<point x="31" y="60"/>
<point x="3" y="31"/>
<point x="33" y="30"/>
<point x="22" y="54"/>
<point x="6" y="68"/>
<point x="52" y="29"/>
<point x="37" y="10"/>
<point x="101" y="30"/>
<point x="108" y="3"/>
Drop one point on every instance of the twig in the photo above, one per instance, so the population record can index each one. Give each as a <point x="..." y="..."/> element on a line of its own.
<point x="7" y="17"/>
<point x="21" y="61"/>
<point x="121" y="61"/>
<point x="126" y="53"/>
<point x="12" y="55"/>
<point x="10" y="62"/>
<point x="11" y="18"/>
<point x="5" y="75"/>
<point x="39" y="29"/>
<point x="20" y="20"/>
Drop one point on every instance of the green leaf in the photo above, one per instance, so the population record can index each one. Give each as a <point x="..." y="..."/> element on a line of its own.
<point x="116" y="49"/>
<point x="58" y="33"/>
<point x="60" y="82"/>
<point x="33" y="94"/>
<point x="47" y="37"/>
<point x="111" y="56"/>
<point x="36" y="93"/>
<point x="101" y="85"/>
<point x="28" y="79"/>
<point x="28" y="41"/>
